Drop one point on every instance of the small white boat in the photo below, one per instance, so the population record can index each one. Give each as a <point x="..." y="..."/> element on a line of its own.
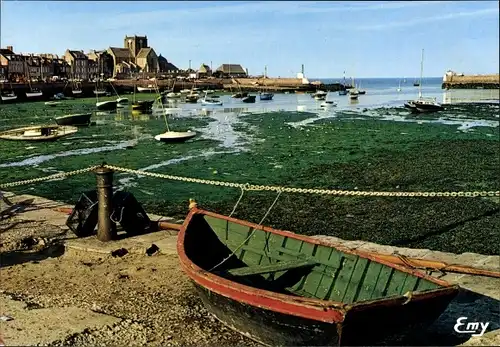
<point x="52" y="103"/>
<point x="38" y="133"/>
<point x="76" y="91"/>
<point x="8" y="97"/>
<point x="319" y="94"/>
<point x="173" y="95"/>
<point x="353" y="94"/>
<point x="34" y="93"/>
<point x="150" y="88"/>
<point x="211" y="101"/>
<point x="100" y="92"/>
<point x="328" y="103"/>
<point x="106" y="105"/>
<point x="175" y="136"/>
<point x="185" y="91"/>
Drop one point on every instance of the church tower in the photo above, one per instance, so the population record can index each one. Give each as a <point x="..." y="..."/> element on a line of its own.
<point x="135" y="43"/>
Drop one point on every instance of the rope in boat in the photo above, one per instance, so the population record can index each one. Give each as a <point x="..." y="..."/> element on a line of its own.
<point x="253" y="187"/>
<point x="250" y="235"/>
<point x="237" y="202"/>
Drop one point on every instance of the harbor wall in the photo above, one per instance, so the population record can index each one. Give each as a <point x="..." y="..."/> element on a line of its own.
<point x="454" y="81"/>
<point x="49" y="89"/>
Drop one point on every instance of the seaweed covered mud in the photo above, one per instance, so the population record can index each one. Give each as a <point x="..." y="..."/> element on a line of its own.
<point x="376" y="149"/>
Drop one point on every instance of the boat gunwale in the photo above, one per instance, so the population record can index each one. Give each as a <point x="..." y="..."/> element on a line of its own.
<point x="315" y="309"/>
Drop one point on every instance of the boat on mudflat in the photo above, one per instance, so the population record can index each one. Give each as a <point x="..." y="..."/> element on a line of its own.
<point x="38" y="133"/>
<point x="175" y="136"/>
<point x="249" y="99"/>
<point x="106" y="105"/>
<point x="74" y="119"/>
<point x="284" y="289"/>
<point x="11" y="96"/>
<point x="143" y="105"/>
<point x="266" y="96"/>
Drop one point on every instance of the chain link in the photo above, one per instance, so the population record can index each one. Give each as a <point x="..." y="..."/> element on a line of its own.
<point x="48" y="178"/>
<point x="253" y="187"/>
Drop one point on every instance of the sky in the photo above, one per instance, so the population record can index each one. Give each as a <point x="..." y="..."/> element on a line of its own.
<point x="365" y="39"/>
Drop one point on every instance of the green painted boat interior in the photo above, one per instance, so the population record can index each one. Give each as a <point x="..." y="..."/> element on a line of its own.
<point x="287" y="265"/>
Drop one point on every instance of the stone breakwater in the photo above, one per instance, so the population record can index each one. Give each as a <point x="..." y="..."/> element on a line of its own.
<point x="471" y="82"/>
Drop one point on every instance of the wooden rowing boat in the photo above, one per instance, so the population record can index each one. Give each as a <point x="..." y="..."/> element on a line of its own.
<point x="38" y="133"/>
<point x="282" y="289"/>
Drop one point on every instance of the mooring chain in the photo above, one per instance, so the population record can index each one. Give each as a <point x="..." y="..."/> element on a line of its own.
<point x="253" y="187"/>
<point x="48" y="178"/>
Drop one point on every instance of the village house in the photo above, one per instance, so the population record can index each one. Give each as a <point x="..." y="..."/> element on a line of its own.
<point x="12" y="64"/>
<point x="204" y="71"/>
<point x="33" y="67"/>
<point x="230" y="70"/>
<point x="104" y="62"/>
<point x="79" y="63"/>
<point x="61" y="68"/>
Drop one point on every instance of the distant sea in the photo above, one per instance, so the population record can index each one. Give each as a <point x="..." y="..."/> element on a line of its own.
<point x="384" y="83"/>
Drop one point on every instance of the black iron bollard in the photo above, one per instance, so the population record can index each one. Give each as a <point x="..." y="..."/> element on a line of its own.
<point x="105" y="230"/>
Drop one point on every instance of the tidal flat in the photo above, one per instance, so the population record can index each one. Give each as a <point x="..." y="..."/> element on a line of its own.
<point x="376" y="149"/>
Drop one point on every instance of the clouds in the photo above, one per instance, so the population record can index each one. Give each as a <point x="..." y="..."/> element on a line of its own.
<point x="439" y="18"/>
<point x="326" y="36"/>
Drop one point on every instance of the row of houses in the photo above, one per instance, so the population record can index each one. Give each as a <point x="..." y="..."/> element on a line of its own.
<point x="136" y="57"/>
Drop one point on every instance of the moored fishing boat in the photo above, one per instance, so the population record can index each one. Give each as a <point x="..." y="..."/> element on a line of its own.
<point x="100" y="92"/>
<point x="175" y="136"/>
<point x="210" y="101"/>
<point x="150" y="88"/>
<point x="328" y="103"/>
<point x="34" y="93"/>
<point x="192" y="99"/>
<point x="38" y="133"/>
<point x="143" y="105"/>
<point x="423" y="104"/>
<point x="109" y="105"/>
<point x="427" y="105"/>
<point x="266" y="96"/>
<point x="284" y="289"/>
<point x="249" y="99"/>
<point x="74" y="119"/>
<point x="9" y="96"/>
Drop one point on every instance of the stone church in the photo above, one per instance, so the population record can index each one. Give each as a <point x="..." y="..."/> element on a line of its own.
<point x="136" y="56"/>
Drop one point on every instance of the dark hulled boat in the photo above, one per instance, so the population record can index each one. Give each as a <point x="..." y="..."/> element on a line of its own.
<point x="143" y="105"/>
<point x="74" y="119"/>
<point x="427" y="106"/>
<point x="284" y="289"/>
<point x="249" y="99"/>
<point x="106" y="105"/>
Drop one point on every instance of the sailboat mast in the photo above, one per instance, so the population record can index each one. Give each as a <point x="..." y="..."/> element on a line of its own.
<point x="421" y="74"/>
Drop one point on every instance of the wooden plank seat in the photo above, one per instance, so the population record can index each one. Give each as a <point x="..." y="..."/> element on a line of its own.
<point x="264" y="269"/>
